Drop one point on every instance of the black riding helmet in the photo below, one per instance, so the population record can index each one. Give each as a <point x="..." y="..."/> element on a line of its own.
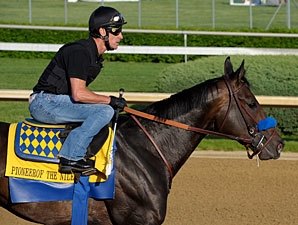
<point x="109" y="19"/>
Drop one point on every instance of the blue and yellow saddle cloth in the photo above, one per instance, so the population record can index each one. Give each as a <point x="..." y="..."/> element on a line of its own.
<point x="34" y="181"/>
<point x="38" y="142"/>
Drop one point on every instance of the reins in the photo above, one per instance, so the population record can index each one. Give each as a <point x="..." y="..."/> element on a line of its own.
<point x="183" y="126"/>
<point x="168" y="165"/>
<point x="256" y="141"/>
<point x="133" y="113"/>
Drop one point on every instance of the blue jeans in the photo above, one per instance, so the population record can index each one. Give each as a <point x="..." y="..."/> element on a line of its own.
<point x="57" y="109"/>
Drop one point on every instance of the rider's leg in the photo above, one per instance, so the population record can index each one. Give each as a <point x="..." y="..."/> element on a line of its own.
<point x="55" y="109"/>
<point x="76" y="143"/>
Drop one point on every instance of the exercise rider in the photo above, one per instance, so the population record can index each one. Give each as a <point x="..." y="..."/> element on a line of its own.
<point x="61" y="94"/>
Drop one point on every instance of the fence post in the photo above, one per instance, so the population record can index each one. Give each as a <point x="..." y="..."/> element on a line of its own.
<point x="65" y="12"/>
<point x="185" y="45"/>
<point x="289" y="13"/>
<point x="177" y="13"/>
<point x="140" y="13"/>
<point x="30" y="11"/>
<point x="213" y="14"/>
<point x="250" y="15"/>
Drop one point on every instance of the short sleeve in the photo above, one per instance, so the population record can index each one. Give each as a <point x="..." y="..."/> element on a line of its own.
<point x="77" y="63"/>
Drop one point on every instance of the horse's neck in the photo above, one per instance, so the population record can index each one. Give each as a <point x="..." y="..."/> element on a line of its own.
<point x="179" y="144"/>
<point x="194" y="107"/>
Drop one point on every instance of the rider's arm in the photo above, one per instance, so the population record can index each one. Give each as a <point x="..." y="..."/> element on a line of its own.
<point x="80" y="93"/>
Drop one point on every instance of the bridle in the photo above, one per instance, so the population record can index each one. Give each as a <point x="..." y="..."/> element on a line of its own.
<point x="257" y="141"/>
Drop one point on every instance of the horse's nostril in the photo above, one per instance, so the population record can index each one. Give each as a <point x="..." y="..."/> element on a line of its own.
<point x="280" y="147"/>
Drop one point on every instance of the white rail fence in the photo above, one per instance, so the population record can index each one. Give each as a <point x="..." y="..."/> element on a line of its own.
<point x="168" y="50"/>
<point x="175" y="50"/>
<point x="183" y="32"/>
<point x="146" y="98"/>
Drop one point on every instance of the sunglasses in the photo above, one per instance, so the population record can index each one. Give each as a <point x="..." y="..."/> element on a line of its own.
<point x="115" y="30"/>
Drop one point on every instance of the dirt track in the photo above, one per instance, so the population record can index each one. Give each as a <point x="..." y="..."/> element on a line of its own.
<point x="212" y="191"/>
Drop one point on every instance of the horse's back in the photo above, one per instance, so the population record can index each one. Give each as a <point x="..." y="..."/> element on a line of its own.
<point x="4" y="127"/>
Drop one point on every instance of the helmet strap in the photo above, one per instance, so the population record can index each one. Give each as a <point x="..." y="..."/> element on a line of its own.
<point x="107" y="43"/>
<point x="104" y="38"/>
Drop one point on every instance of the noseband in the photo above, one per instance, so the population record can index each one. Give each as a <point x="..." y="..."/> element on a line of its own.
<point x="258" y="140"/>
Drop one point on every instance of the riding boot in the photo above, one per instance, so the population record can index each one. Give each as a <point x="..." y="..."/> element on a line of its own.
<point x="81" y="166"/>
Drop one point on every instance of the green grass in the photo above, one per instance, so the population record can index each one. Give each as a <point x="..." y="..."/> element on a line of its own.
<point x="156" y="14"/>
<point x="13" y="111"/>
<point x="140" y="77"/>
<point x="131" y="76"/>
<point x="193" y="14"/>
<point x="291" y="144"/>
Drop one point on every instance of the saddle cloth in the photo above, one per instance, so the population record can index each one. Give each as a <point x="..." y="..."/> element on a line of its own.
<point x="34" y="181"/>
<point x="32" y="154"/>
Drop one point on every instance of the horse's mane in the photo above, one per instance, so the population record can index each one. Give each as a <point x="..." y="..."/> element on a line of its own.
<point x="182" y="102"/>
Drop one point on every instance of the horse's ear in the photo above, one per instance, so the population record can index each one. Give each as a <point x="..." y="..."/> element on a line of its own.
<point x="228" y="67"/>
<point x="241" y="71"/>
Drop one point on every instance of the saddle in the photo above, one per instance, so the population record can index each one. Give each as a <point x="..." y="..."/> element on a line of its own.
<point x="41" y="142"/>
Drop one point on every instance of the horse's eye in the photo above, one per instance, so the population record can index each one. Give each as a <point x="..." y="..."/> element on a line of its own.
<point x="252" y="105"/>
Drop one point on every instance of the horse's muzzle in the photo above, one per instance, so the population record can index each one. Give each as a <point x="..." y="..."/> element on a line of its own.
<point x="266" y="147"/>
<point x="272" y="150"/>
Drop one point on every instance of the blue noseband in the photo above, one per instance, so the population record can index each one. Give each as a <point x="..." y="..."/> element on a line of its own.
<point x="266" y="123"/>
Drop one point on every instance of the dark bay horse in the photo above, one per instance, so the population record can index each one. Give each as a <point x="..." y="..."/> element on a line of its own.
<point x="224" y="105"/>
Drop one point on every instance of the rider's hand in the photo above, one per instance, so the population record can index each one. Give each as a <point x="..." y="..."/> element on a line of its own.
<point x="117" y="103"/>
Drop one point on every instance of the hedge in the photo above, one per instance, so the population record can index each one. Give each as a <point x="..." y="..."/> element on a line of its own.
<point x="138" y="39"/>
<point x="271" y="76"/>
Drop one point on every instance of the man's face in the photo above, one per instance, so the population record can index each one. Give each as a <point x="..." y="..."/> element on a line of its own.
<point x="115" y="36"/>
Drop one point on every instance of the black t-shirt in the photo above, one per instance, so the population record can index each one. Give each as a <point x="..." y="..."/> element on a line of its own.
<point x="74" y="60"/>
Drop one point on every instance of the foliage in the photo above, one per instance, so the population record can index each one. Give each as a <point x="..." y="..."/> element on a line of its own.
<point x="271" y="75"/>
<point x="138" y="39"/>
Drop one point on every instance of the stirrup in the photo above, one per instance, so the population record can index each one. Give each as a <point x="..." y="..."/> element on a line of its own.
<point x="70" y="169"/>
<point x="89" y="172"/>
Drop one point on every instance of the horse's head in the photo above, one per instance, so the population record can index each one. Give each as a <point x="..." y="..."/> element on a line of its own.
<point x="243" y="117"/>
